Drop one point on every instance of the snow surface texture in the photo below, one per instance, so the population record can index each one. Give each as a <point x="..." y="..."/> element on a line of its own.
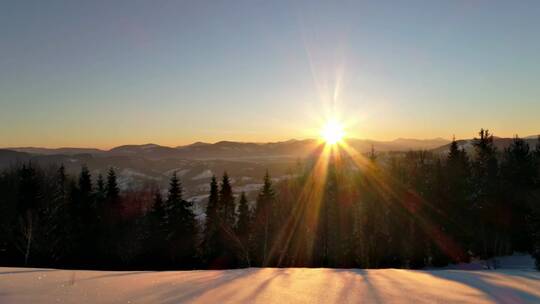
<point x="270" y="285"/>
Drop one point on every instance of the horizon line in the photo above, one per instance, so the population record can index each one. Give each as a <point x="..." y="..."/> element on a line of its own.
<point x="243" y="142"/>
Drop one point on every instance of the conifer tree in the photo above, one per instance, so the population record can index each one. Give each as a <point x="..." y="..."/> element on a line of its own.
<point x="85" y="183"/>
<point x="181" y="226"/>
<point x="86" y="219"/>
<point x="263" y="215"/>
<point x="113" y="225"/>
<point x="211" y="241"/>
<point x="158" y="207"/>
<point x="57" y="231"/>
<point x="486" y="197"/>
<point x="226" y="202"/>
<point x="156" y="233"/>
<point x="244" y="217"/>
<point x="456" y="201"/>
<point x="328" y="247"/>
<point x="227" y="221"/>
<point x="100" y="189"/>
<point x="174" y="198"/>
<point x="518" y="175"/>
<point x="112" y="186"/>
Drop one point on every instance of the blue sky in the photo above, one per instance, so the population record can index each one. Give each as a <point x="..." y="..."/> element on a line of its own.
<point x="104" y="73"/>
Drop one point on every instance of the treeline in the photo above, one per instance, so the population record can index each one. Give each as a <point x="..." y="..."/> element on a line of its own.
<point x="406" y="210"/>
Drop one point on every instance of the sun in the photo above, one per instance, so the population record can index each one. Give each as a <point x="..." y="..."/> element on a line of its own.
<point x="332" y="132"/>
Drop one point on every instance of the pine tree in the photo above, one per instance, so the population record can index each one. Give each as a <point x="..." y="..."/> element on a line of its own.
<point x="486" y="196"/>
<point x="243" y="228"/>
<point x="114" y="240"/>
<point x="181" y="226"/>
<point x="227" y="220"/>
<point x="156" y="234"/>
<point x="174" y="197"/>
<point x="100" y="191"/>
<point x="56" y="228"/>
<point x="86" y="220"/>
<point x="226" y="202"/>
<point x="85" y="183"/>
<point x="518" y="174"/>
<point x="211" y="241"/>
<point x="100" y="184"/>
<point x="456" y="201"/>
<point x="244" y="216"/>
<point x="328" y="247"/>
<point x="112" y="191"/>
<point x="158" y="207"/>
<point x="263" y="214"/>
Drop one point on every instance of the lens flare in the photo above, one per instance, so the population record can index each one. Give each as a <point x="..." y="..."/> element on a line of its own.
<point x="332" y="132"/>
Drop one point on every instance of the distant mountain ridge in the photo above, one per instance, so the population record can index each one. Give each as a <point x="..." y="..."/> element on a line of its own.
<point x="233" y="149"/>
<point x="52" y="151"/>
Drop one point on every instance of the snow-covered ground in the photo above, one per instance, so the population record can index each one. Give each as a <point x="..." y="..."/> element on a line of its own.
<point x="270" y="285"/>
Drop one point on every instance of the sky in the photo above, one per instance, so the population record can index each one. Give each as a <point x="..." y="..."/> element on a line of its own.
<point x="106" y="73"/>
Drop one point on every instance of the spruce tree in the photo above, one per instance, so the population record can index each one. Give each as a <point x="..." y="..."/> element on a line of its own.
<point x="518" y="174"/>
<point x="113" y="191"/>
<point x="486" y="197"/>
<point x="156" y="234"/>
<point x="100" y="186"/>
<point x="263" y="214"/>
<point x="211" y="242"/>
<point x="113" y="225"/>
<point x="227" y="221"/>
<point x="244" y="216"/>
<point x="328" y="248"/>
<point x="226" y="202"/>
<point x="86" y="221"/>
<point x="456" y="201"/>
<point x="181" y="226"/>
<point x="241" y="233"/>
<point x="158" y="207"/>
<point x="57" y="231"/>
<point x="85" y="183"/>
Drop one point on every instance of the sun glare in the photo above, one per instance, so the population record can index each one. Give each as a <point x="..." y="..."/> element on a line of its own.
<point x="332" y="132"/>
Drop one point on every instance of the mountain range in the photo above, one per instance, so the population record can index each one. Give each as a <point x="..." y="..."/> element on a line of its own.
<point x="236" y="150"/>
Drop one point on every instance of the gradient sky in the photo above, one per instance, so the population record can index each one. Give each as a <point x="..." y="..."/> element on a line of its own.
<point x="104" y="73"/>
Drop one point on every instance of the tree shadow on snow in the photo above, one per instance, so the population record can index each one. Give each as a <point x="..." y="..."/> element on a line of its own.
<point x="353" y="276"/>
<point x="485" y="282"/>
<point x="26" y="271"/>
<point x="203" y="283"/>
<point x="112" y="275"/>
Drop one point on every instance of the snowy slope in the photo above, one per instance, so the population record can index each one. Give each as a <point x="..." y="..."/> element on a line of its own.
<point x="269" y="285"/>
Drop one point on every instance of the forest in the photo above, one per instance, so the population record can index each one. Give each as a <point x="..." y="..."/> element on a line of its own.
<point x="414" y="209"/>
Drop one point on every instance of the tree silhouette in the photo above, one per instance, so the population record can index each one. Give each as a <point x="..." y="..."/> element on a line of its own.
<point x="263" y="226"/>
<point x="181" y="227"/>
